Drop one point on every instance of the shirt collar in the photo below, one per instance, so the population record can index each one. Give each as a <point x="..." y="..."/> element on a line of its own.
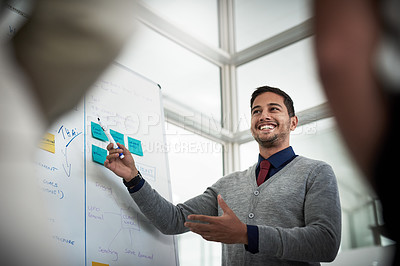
<point x="278" y="158"/>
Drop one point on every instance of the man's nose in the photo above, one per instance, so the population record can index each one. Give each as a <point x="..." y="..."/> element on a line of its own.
<point x="265" y="115"/>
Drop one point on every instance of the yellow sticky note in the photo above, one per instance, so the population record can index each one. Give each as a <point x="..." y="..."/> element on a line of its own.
<point x="48" y="143"/>
<point x="99" y="264"/>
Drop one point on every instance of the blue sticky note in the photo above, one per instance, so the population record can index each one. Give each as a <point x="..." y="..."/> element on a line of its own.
<point x="98" y="154"/>
<point x="97" y="132"/>
<point x="135" y="146"/>
<point x="118" y="137"/>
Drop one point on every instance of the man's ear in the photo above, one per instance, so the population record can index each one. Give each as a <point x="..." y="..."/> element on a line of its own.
<point x="293" y="123"/>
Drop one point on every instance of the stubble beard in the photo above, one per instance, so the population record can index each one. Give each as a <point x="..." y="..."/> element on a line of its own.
<point x="271" y="141"/>
<point x="268" y="142"/>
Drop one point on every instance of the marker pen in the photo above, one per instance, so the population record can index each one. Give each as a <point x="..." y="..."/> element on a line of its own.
<point x="110" y="138"/>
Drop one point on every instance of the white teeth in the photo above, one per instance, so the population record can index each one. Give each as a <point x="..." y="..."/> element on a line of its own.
<point x="267" y="127"/>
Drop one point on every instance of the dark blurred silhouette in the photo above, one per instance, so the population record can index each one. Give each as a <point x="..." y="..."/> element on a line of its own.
<point x="358" y="52"/>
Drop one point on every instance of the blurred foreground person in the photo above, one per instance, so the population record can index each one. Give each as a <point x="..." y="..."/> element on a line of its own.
<point x="44" y="71"/>
<point x="358" y="53"/>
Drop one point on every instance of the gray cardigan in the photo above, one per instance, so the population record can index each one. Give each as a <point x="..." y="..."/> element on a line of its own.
<point x="297" y="212"/>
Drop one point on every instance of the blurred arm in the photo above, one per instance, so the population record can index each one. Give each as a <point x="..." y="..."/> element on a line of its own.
<point x="66" y="45"/>
<point x="346" y="36"/>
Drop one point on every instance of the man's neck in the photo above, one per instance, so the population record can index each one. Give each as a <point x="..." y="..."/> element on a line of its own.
<point x="268" y="152"/>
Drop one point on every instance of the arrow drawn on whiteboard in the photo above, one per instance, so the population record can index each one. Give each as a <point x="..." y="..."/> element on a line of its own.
<point x="68" y="134"/>
<point x="65" y="164"/>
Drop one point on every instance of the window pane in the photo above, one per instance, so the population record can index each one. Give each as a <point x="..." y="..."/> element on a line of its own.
<point x="248" y="154"/>
<point x="198" y="18"/>
<point x="195" y="164"/>
<point x="257" y="20"/>
<point x="185" y="77"/>
<point x="291" y="69"/>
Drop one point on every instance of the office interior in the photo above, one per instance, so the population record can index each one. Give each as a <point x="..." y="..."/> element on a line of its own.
<point x="208" y="56"/>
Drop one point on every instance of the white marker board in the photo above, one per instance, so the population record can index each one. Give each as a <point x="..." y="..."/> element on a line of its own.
<point x="96" y="220"/>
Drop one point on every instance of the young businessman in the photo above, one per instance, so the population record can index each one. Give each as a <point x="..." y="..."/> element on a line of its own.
<point x="291" y="218"/>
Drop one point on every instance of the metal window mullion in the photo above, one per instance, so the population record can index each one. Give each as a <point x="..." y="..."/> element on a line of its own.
<point x="228" y="84"/>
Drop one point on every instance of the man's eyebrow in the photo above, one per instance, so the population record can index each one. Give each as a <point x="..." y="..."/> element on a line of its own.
<point x="270" y="104"/>
<point x="254" y="107"/>
<point x="275" y="104"/>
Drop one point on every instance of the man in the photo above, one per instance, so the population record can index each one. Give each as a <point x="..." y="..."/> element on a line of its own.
<point x="292" y="218"/>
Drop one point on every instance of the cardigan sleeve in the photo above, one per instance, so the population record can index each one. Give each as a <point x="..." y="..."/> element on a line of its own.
<point x="319" y="239"/>
<point x="167" y="217"/>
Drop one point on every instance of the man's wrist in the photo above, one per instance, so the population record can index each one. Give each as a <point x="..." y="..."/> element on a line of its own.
<point x="133" y="174"/>
<point x="134" y="181"/>
<point x="245" y="238"/>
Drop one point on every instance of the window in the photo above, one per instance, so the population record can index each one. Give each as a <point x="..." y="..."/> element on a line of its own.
<point x="258" y="20"/>
<point x="185" y="78"/>
<point x="291" y="69"/>
<point x="195" y="163"/>
<point x="198" y="18"/>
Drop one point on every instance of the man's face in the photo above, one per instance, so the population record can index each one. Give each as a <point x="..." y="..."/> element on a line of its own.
<point x="270" y="121"/>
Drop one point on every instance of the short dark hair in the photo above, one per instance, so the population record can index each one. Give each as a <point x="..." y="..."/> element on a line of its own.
<point x="286" y="98"/>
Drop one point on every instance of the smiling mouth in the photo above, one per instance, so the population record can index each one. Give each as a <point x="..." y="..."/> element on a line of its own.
<point x="267" y="127"/>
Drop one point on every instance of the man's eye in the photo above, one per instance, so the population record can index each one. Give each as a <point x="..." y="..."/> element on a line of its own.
<point x="256" y="112"/>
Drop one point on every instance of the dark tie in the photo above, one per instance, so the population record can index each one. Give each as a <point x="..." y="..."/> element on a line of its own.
<point x="264" y="168"/>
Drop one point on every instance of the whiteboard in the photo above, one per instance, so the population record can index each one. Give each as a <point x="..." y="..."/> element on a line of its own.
<point x="95" y="219"/>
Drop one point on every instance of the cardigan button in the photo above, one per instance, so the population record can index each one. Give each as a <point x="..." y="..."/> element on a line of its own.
<point x="256" y="192"/>
<point x="251" y="215"/>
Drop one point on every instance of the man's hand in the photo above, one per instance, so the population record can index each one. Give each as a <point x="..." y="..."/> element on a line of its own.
<point x="226" y="229"/>
<point x="125" y="167"/>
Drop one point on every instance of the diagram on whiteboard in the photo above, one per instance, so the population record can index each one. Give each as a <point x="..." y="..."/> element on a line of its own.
<point x="96" y="220"/>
